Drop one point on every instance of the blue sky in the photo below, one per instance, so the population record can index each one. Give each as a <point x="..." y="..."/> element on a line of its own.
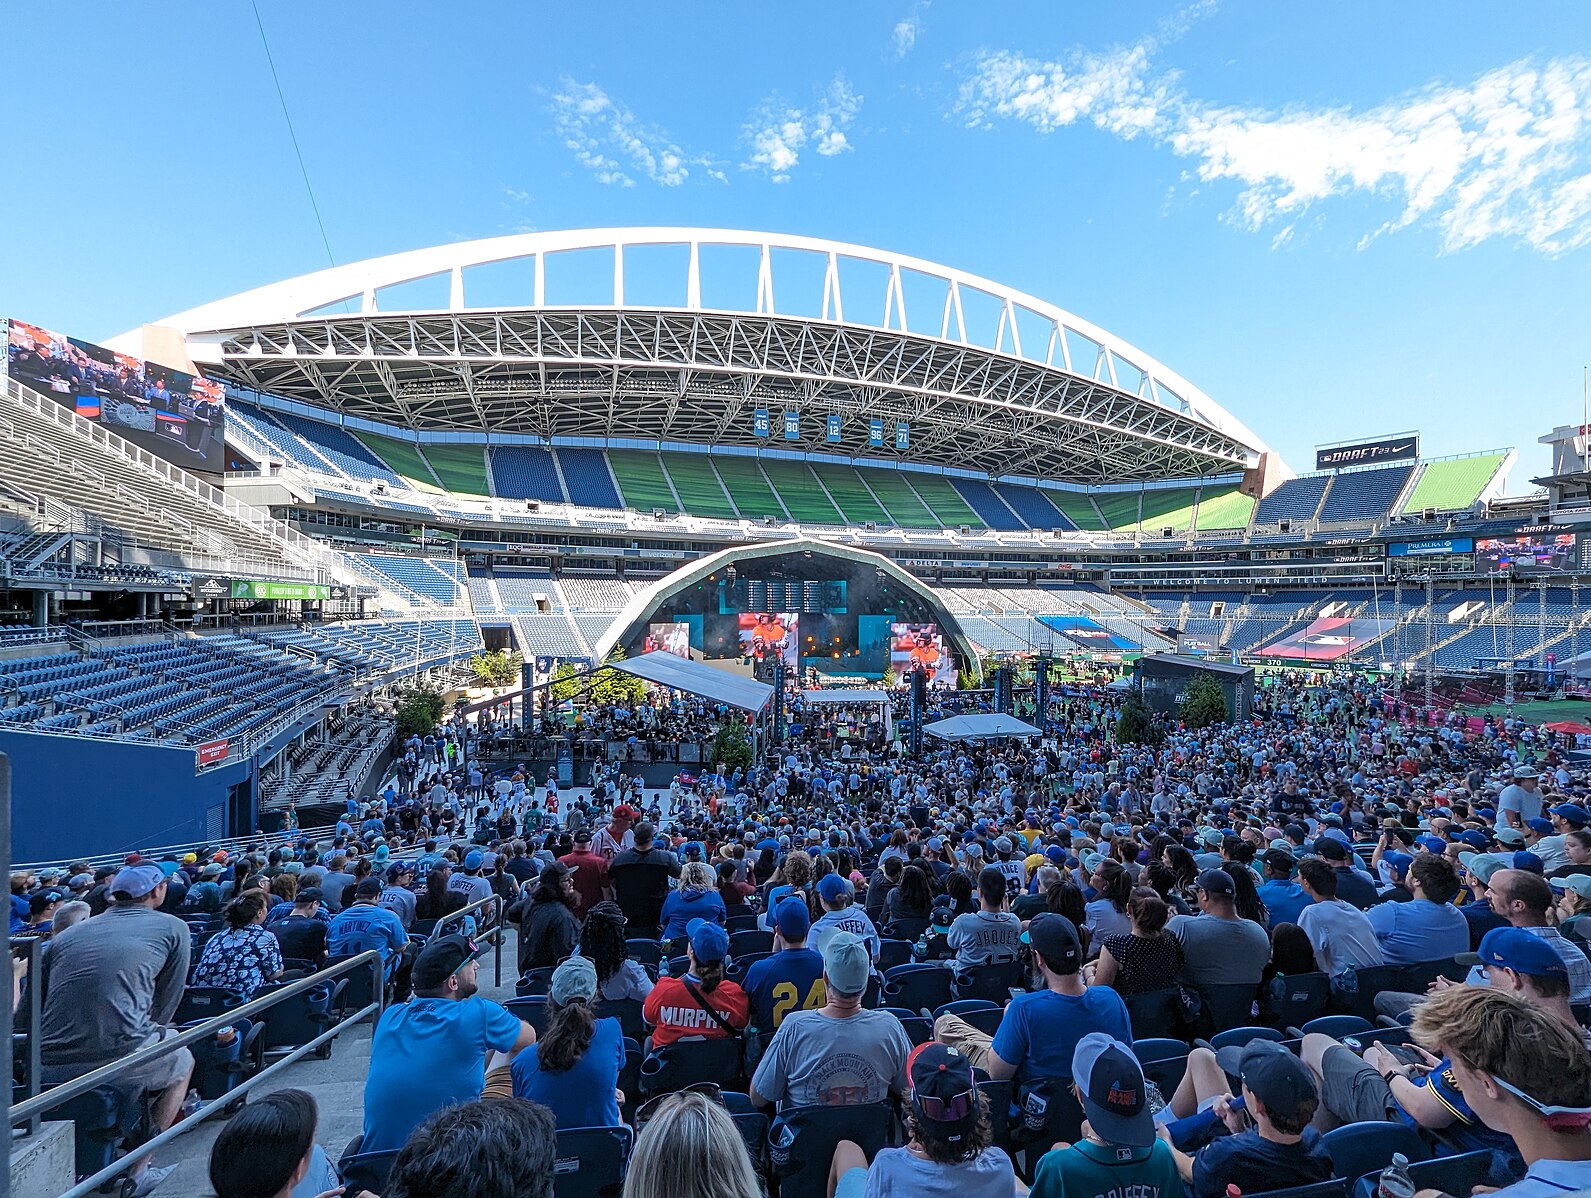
<point x="1336" y="220"/>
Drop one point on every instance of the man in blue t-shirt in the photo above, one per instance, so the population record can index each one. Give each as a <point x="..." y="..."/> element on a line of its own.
<point x="1428" y="927"/>
<point x="430" y="1052"/>
<point x="791" y="979"/>
<point x="1283" y="897"/>
<point x="1040" y="1031"/>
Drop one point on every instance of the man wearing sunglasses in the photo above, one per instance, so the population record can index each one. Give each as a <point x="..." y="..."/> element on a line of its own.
<point x="1525" y="1073"/>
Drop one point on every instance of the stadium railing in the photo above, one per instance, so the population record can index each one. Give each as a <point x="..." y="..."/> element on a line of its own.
<point x="26" y="1114"/>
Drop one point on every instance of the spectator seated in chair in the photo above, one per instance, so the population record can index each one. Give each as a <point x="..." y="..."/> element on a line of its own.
<point x="678" y="1008"/>
<point x="791" y="979"/>
<point x="573" y="1068"/>
<point x="990" y="934"/>
<point x="504" y="1148"/>
<point x="268" y="1150"/>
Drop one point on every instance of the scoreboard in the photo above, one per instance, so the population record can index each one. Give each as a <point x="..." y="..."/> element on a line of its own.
<point x="788" y="595"/>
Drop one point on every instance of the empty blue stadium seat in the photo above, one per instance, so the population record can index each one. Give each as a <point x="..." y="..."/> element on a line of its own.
<point x="1036" y="510"/>
<point x="342" y="449"/>
<point x="1364" y="494"/>
<point x="525" y="472"/>
<point x="991" y="509"/>
<point x="587" y="479"/>
<point x="1295" y="499"/>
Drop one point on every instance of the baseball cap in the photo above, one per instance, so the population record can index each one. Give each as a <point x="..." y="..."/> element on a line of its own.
<point x="792" y="919"/>
<point x="1216" y="881"/>
<point x="1519" y="950"/>
<point x="368" y="888"/>
<point x="1431" y="844"/>
<point x="1573" y="812"/>
<point x="1331" y="848"/>
<point x="575" y="979"/>
<point x="625" y="811"/>
<point x="1575" y="884"/>
<point x="1398" y="862"/>
<point x="1525" y="771"/>
<point x="1526" y="860"/>
<point x="310" y="894"/>
<point x="1273" y="1075"/>
<point x="1484" y="865"/>
<point x="708" y="941"/>
<point x="441" y="958"/>
<point x="944" y="1093"/>
<point x="832" y="888"/>
<point x="1540" y="825"/>
<point x="582" y="836"/>
<point x="1212" y="837"/>
<point x="399" y="869"/>
<point x="190" y="858"/>
<point x="1002" y="844"/>
<point x="472" y="859"/>
<point x="135" y="881"/>
<point x="943" y="912"/>
<point x="1111" y="1083"/>
<point x="1512" y="837"/>
<point x="847" y="963"/>
<point x="1475" y="838"/>
<point x="1281" y="861"/>
<point x="1054" y="938"/>
<point x="936" y="844"/>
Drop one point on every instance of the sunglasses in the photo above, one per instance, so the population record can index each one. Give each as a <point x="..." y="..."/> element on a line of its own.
<point x="946" y="1110"/>
<point x="1561" y="1117"/>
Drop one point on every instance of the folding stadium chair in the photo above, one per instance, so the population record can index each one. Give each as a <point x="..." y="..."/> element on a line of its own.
<point x="1291" y="1000"/>
<point x="630" y="1074"/>
<point x="1446" y="1174"/>
<point x="892" y="953"/>
<point x="1153" y="1012"/>
<point x="1417" y="978"/>
<point x="298" y="1020"/>
<point x="1226" y="1007"/>
<point x="752" y="940"/>
<point x="592" y="1161"/>
<point x="1336" y="1187"/>
<point x="206" y="1002"/>
<point x="102" y="1121"/>
<point x="1360" y="1148"/>
<point x="919" y="987"/>
<point x="753" y="1129"/>
<point x="534" y="981"/>
<point x="1379" y="1035"/>
<point x="1164" y="1061"/>
<point x="1369" y="982"/>
<point x="740" y="923"/>
<point x="647" y="952"/>
<point x="356" y="989"/>
<point x="979" y="1012"/>
<point x="802" y="1139"/>
<point x="365" y="1171"/>
<point x="675" y="1066"/>
<point x="1335" y="1026"/>
<point x="534" y="1009"/>
<point x="992" y="982"/>
<point x="736" y="969"/>
<point x="219" y="1068"/>
<point x="998" y="1096"/>
<point x="1236" y="1037"/>
<point x="627" y="1011"/>
<point x="919" y="1029"/>
<point x="1046" y="1112"/>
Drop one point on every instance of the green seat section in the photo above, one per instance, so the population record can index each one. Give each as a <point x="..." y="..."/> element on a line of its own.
<point x="1225" y="509"/>
<point x="1168" y="509"/>
<point x="905" y="507"/>
<point x="1076" y="507"/>
<point x="698" y="486"/>
<point x="803" y="497"/>
<point x="461" y="468"/>
<point x="743" y="479"/>
<point x="851" y="493"/>
<point x="642" y="481"/>
<point x="944" y="501"/>
<point x="1453" y="485"/>
<point x="1119" y="508"/>
<point x="404" y="457"/>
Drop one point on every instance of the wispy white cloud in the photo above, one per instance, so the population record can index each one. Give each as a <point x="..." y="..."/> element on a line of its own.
<point x="609" y="141"/>
<point x="778" y="131"/>
<point x="904" y="35"/>
<point x="1506" y="155"/>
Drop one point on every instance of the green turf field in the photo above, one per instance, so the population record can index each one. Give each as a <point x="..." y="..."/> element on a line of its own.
<point x="1544" y="712"/>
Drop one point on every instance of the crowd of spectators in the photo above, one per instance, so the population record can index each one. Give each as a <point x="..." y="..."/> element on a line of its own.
<point x="1340" y="835"/>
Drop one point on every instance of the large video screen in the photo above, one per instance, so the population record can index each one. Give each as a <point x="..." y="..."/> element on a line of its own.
<point x="920" y="647"/>
<point x="769" y="634"/>
<point x="1326" y="639"/>
<point x="181" y="417"/>
<point x="1526" y="555"/>
<point x="673" y="637"/>
<point x="1086" y="634"/>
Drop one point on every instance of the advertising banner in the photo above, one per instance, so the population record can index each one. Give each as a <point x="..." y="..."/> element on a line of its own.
<point x="1536" y="554"/>
<point x="1086" y="634"/>
<point x="920" y="647"/>
<point x="212" y="752"/>
<point x="1326" y="639"/>
<point x="181" y="417"/>
<point x="768" y="634"/>
<point x="210" y="586"/>
<point x="1431" y="548"/>
<point x="253" y="588"/>
<point x="673" y="637"/>
<point x="1369" y="453"/>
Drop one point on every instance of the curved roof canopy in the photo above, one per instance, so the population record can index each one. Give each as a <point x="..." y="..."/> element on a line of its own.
<point x="654" y="335"/>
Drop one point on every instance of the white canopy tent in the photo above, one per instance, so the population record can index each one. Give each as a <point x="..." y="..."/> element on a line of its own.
<point x="979" y="727"/>
<point x="683" y="674"/>
<point x="854" y="698"/>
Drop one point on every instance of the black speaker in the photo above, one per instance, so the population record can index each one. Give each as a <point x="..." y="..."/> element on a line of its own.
<point x="1284" y="525"/>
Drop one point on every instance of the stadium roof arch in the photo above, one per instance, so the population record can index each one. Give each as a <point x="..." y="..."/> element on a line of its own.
<point x="984" y="377"/>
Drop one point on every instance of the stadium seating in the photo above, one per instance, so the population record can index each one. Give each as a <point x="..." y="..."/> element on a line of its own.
<point x="339" y="447"/>
<point x="1452" y="484"/>
<point x="702" y="493"/>
<point x="1228" y="508"/>
<point x="405" y="458"/>
<point x="905" y="507"/>
<point x="986" y="501"/>
<point x="1363" y="495"/>
<point x="525" y="472"/>
<point x="1296" y="499"/>
<point x="520" y="592"/>
<point x="433" y="579"/>
<point x="802" y="494"/>
<point x="595" y="594"/>
<point x="642" y="482"/>
<point x="1078" y="508"/>
<point x="586" y="478"/>
<point x="850" y="491"/>
<point x="549" y="635"/>
<point x="944" y="501"/>
<point x="1032" y="507"/>
<point x="742" y="477"/>
<point x="1119" y="509"/>
<point x="460" y="468"/>
<point x="1167" y="509"/>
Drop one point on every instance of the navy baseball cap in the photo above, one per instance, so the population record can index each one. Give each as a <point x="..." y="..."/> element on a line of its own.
<point x="1054" y="938"/>
<point x="1575" y="814"/>
<point x="792" y="918"/>
<point x="1523" y="952"/>
<point x="1272" y="1074"/>
<point x="1111" y="1083"/>
<point x="832" y="888"/>
<point x="944" y="1093"/>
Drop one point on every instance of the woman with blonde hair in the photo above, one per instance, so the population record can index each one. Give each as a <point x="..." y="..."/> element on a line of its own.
<point x="690" y="1148"/>
<point x="696" y="898"/>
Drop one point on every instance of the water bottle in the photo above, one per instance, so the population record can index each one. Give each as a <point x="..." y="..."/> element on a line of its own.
<point x="1348" y="979"/>
<point x="1395" y="1181"/>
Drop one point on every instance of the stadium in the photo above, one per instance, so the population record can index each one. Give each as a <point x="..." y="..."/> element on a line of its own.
<point x="762" y="546"/>
<point x="526" y="443"/>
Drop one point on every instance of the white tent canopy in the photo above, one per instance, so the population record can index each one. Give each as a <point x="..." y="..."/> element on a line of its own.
<point x="845" y="696"/>
<point x="979" y="727"/>
<point x="683" y="674"/>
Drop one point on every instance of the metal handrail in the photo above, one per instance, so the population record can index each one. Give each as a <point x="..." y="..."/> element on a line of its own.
<point x="30" y="1109"/>
<point x="34" y="945"/>
<point x="494" y="933"/>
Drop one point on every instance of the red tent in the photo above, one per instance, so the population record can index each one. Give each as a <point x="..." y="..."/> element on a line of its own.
<point x="1569" y="727"/>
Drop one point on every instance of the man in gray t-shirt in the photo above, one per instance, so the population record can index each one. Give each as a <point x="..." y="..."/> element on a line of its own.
<point x="989" y="934"/>
<point x="839" y="1054"/>
<point x="1219" y="948"/>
